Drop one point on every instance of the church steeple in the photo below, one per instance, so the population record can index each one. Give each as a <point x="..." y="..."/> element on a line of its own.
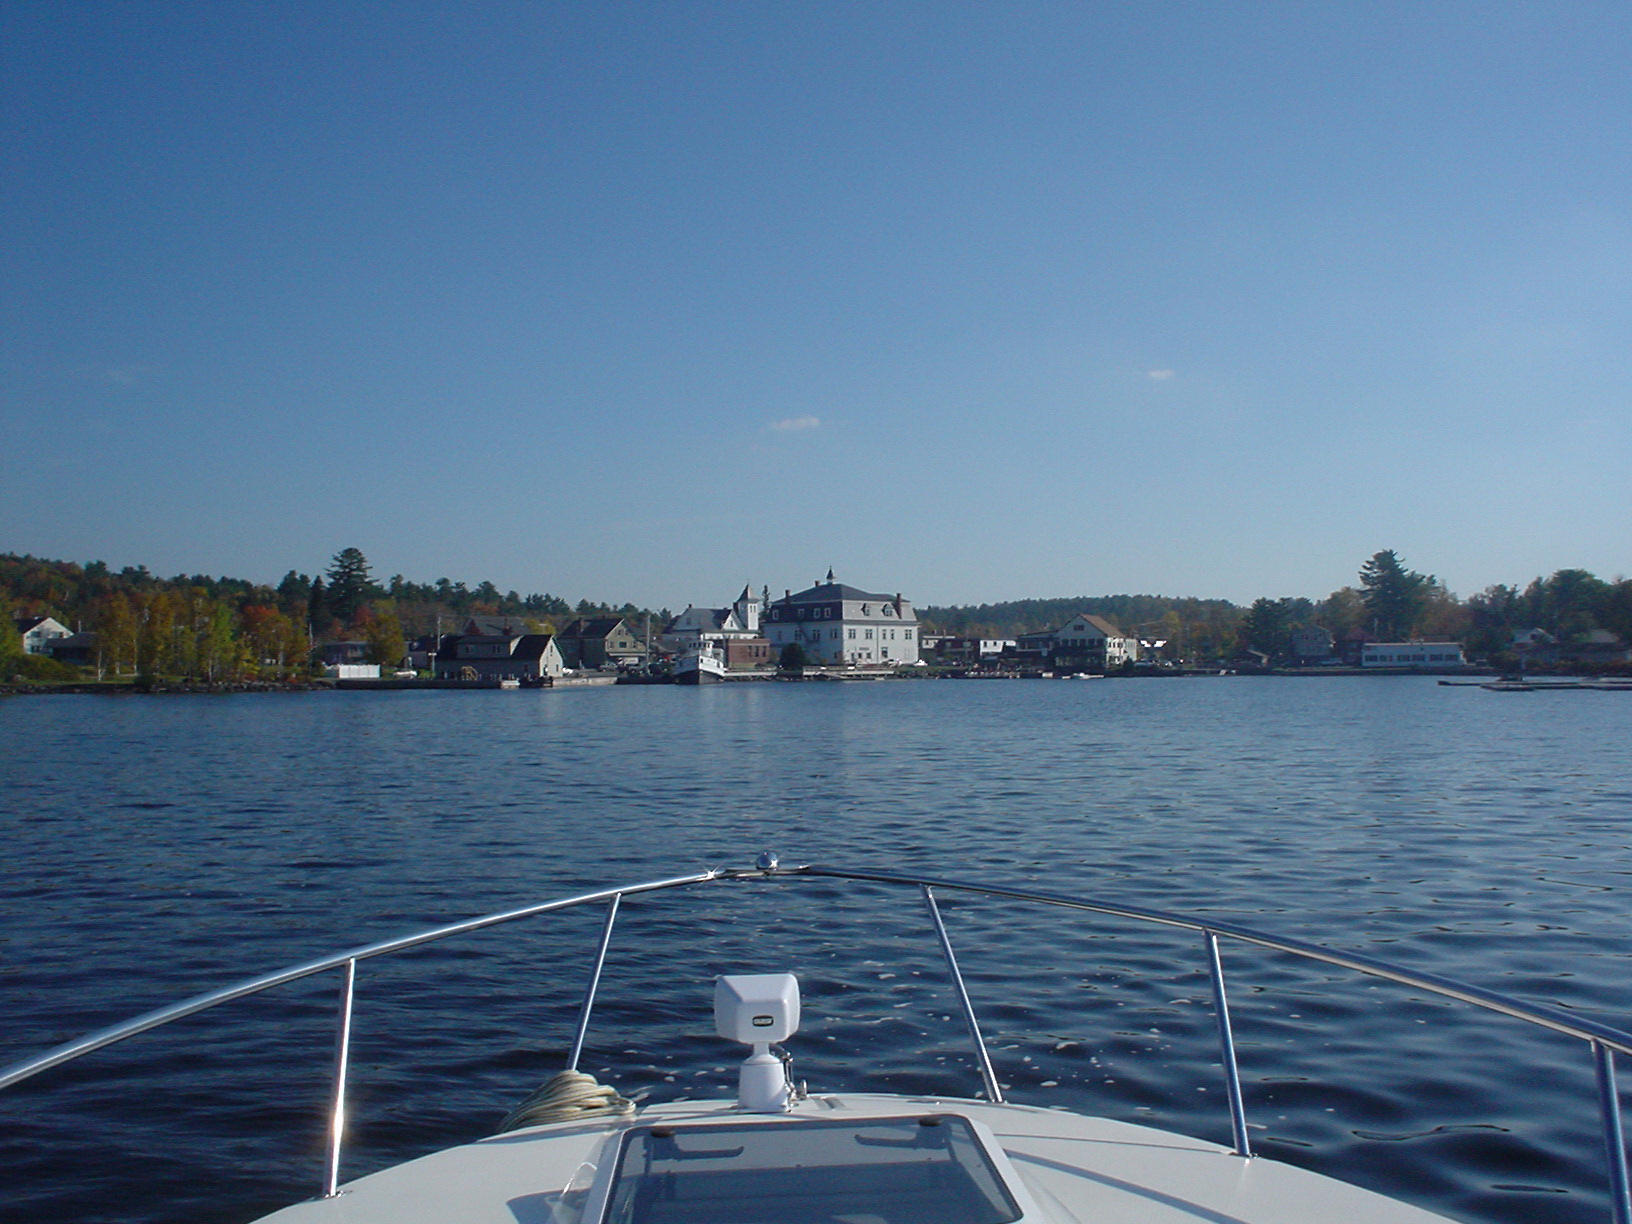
<point x="748" y="608"/>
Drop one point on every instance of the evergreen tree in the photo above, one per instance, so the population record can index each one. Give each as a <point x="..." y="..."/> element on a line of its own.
<point x="1267" y="627"/>
<point x="317" y="606"/>
<point x="293" y="593"/>
<point x="349" y="583"/>
<point x="1395" y="597"/>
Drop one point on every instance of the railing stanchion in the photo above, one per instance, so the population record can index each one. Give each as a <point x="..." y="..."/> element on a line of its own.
<point x="342" y="1062"/>
<point x="594" y="983"/>
<point x="1609" y="1104"/>
<point x="1226" y="1041"/>
<point x="993" y="1092"/>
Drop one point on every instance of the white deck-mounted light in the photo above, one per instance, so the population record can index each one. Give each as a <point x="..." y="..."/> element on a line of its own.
<point x="758" y="1009"/>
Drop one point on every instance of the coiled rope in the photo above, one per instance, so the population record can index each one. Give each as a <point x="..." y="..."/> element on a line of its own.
<point x="565" y="1097"/>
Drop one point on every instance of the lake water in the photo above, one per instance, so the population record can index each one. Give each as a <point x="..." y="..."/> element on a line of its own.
<point x="157" y="847"/>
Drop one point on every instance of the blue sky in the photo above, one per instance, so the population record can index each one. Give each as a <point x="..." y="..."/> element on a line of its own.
<point x="971" y="301"/>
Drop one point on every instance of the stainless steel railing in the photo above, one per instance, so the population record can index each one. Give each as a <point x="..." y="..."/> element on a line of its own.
<point x="1603" y="1041"/>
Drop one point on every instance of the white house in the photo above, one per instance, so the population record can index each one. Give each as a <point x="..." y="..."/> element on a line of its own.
<point x="38" y="632"/>
<point x="839" y="624"/>
<point x="1411" y="654"/>
<point x="694" y="625"/>
<point x="1096" y="639"/>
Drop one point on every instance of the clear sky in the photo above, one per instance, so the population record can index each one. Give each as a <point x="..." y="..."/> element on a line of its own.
<point x="971" y="301"/>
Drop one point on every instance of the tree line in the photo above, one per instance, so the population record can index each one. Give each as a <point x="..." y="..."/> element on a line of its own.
<point x="214" y="628"/>
<point x="1388" y="602"/>
<point x="210" y="628"/>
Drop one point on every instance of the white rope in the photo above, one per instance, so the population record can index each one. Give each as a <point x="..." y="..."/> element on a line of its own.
<point x="565" y="1097"/>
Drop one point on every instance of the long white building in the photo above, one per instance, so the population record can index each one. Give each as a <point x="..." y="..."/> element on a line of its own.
<point x="1412" y="654"/>
<point x="838" y="624"/>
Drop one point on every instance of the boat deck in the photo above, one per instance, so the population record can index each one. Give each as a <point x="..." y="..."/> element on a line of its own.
<point x="1074" y="1169"/>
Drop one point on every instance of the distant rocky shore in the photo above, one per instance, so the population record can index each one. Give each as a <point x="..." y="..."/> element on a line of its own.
<point x="125" y="687"/>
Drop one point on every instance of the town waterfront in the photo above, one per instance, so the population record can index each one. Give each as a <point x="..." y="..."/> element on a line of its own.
<point x="162" y="846"/>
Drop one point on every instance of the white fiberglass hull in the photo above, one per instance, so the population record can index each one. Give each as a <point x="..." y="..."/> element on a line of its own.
<point x="1070" y="1169"/>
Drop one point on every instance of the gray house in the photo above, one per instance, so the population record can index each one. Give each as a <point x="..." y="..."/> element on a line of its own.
<point x="523" y="656"/>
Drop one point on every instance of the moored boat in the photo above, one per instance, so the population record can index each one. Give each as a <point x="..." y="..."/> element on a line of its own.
<point x="704" y="664"/>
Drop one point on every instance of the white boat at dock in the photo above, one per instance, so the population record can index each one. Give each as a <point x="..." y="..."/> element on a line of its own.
<point x="702" y="664"/>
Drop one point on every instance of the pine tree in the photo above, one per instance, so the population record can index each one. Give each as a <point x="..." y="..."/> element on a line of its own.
<point x="349" y="583"/>
<point x="1394" y="596"/>
<point x="317" y="606"/>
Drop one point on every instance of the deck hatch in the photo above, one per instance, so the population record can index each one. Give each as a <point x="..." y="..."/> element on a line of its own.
<point x="808" y="1171"/>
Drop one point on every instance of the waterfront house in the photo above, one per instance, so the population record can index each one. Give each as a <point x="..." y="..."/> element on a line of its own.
<point x="493" y="656"/>
<point x="1598" y="646"/>
<point x="1094" y="640"/>
<point x="38" y="632"/>
<point x="335" y="654"/>
<point x="1412" y="654"/>
<point x="965" y="651"/>
<point x="76" y="648"/>
<point x="1312" y="644"/>
<point x="1035" y="647"/>
<point x="839" y="624"/>
<point x="1085" y="642"/>
<point x="741" y="619"/>
<point x="597" y="641"/>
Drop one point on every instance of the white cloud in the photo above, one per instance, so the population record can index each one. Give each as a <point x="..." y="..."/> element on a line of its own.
<point x="1160" y="375"/>
<point x="795" y="424"/>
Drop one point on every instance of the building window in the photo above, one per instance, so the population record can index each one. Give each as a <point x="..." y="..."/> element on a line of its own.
<point x="852" y="635"/>
<point x="869" y="635"/>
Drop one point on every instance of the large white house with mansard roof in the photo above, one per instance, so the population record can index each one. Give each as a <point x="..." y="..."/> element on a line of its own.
<point x="838" y="624"/>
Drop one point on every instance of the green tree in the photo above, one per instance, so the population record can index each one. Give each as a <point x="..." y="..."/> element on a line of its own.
<point x="350" y="585"/>
<point x="1343" y="612"/>
<point x="11" y="642"/>
<point x="1394" y="596"/>
<point x="1267" y="627"/>
<point x="1615" y="611"/>
<point x="117" y="631"/>
<point x="294" y="592"/>
<point x="384" y="636"/>
<point x="317" y="606"/>
<point x="793" y="657"/>
<point x="1570" y="603"/>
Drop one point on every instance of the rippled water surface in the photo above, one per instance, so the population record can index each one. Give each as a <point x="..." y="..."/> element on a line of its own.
<point x="160" y="847"/>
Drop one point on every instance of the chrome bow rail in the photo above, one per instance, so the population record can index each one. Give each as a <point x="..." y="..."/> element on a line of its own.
<point x="1604" y="1042"/>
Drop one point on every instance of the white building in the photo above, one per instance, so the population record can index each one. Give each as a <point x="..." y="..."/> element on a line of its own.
<point x="38" y="632"/>
<point x="694" y="625"/>
<point x="1097" y="640"/>
<point x="1411" y="654"/>
<point x="838" y="624"/>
